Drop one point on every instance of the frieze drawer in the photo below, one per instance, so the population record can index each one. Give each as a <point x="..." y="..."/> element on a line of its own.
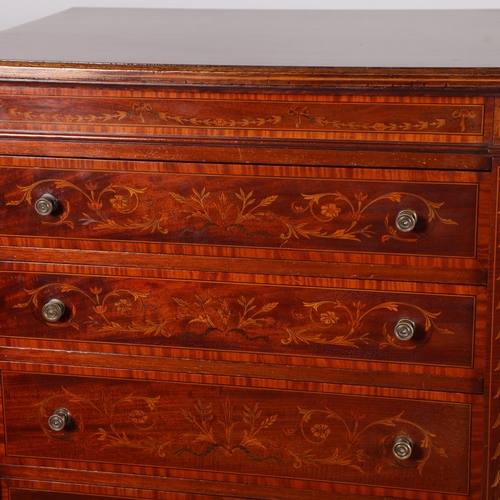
<point x="287" y="322"/>
<point x="421" y="213"/>
<point x="242" y="433"/>
<point x="229" y="115"/>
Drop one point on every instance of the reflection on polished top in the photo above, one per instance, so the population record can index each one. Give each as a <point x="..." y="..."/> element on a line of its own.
<point x="335" y="38"/>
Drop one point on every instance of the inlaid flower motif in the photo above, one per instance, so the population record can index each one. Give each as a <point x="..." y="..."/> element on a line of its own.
<point x="320" y="431"/>
<point x="100" y="309"/>
<point x="138" y="417"/>
<point x="330" y="210"/>
<point x="329" y="318"/>
<point x="95" y="205"/>
<point x="379" y="126"/>
<point x="119" y="202"/>
<point x="360" y="196"/>
<point x="124" y="306"/>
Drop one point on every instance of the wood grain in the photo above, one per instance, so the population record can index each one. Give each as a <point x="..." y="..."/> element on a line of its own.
<point x="189" y="114"/>
<point x="262" y="433"/>
<point x="288" y="322"/>
<point x="327" y="215"/>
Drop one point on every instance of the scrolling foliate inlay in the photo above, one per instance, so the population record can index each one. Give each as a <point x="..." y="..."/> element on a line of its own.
<point x="234" y="115"/>
<point x="237" y="212"/>
<point x="127" y="304"/>
<point x="292" y="438"/>
<point x="122" y="199"/>
<point x="209" y="316"/>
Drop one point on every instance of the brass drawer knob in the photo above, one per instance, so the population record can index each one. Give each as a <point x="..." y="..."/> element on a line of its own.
<point x="59" y="420"/>
<point x="53" y="310"/>
<point x="403" y="447"/>
<point x="404" y="329"/>
<point x="46" y="204"/>
<point x="406" y="220"/>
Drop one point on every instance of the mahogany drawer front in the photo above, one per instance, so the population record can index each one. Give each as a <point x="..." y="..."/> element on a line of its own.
<point x="259" y="215"/>
<point x="36" y="494"/>
<point x="190" y="114"/>
<point x="23" y="493"/>
<point x="331" y="438"/>
<point x="289" y="322"/>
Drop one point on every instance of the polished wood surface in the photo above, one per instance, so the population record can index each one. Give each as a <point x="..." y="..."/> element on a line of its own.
<point x="296" y="324"/>
<point x="351" y="211"/>
<point x="450" y="39"/>
<point x="219" y="115"/>
<point x="275" y="434"/>
<point x="226" y="242"/>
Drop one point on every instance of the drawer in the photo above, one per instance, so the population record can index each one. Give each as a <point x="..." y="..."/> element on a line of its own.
<point x="229" y="115"/>
<point x="296" y="216"/>
<point x="291" y="323"/>
<point x="56" y="491"/>
<point x="243" y="433"/>
<point x="37" y="494"/>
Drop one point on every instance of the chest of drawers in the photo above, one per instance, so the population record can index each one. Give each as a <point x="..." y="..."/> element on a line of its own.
<point x="250" y="255"/>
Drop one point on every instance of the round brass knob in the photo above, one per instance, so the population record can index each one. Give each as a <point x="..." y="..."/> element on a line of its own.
<point x="53" y="310"/>
<point x="46" y="204"/>
<point x="404" y="329"/>
<point x="403" y="446"/>
<point x="406" y="220"/>
<point x="59" y="420"/>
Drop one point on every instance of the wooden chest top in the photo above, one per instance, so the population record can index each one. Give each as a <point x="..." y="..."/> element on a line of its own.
<point x="324" y="48"/>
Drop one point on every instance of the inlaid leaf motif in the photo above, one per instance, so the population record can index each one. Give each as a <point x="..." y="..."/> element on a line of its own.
<point x="332" y="117"/>
<point x="225" y="426"/>
<point x="244" y="318"/>
<point x="326" y="215"/>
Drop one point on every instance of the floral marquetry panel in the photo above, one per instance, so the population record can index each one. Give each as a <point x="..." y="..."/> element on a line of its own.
<point x="419" y="328"/>
<point x="339" y="213"/>
<point x="242" y="431"/>
<point x="230" y="115"/>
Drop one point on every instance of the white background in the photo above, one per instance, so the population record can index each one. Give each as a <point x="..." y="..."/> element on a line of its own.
<point x="15" y="12"/>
